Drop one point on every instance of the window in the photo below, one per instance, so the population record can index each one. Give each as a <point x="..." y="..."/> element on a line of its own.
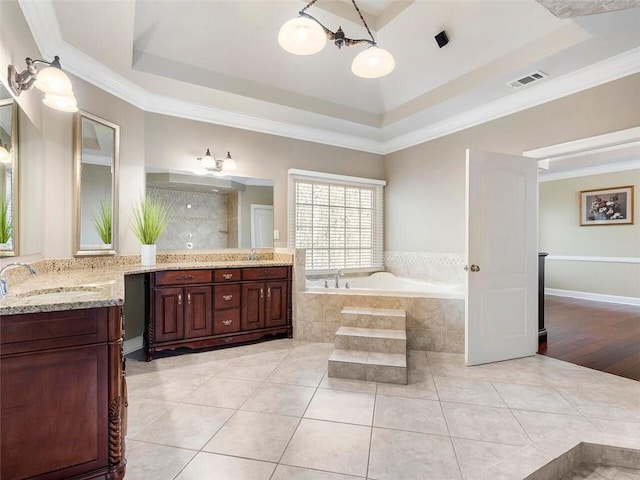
<point x="337" y="219"/>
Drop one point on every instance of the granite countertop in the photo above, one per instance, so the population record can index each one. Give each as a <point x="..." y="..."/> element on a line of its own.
<point x="93" y="287"/>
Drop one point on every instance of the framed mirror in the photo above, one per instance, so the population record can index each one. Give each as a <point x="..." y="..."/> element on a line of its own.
<point x="96" y="152"/>
<point x="209" y="212"/>
<point x="8" y="175"/>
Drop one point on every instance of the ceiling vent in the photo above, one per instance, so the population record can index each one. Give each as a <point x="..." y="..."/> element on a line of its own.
<point x="527" y="79"/>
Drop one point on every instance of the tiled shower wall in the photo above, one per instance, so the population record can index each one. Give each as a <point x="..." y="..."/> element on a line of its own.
<point x="202" y="226"/>
<point x="436" y="267"/>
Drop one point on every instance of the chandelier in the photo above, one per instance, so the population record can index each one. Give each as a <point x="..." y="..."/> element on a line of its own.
<point x="305" y="35"/>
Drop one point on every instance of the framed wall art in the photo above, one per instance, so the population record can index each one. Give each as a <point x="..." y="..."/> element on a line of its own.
<point x="607" y="206"/>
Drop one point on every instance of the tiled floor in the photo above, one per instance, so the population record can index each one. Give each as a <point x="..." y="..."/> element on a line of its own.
<point x="269" y="412"/>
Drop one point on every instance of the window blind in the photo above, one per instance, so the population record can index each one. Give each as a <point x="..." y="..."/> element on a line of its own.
<point x="338" y="220"/>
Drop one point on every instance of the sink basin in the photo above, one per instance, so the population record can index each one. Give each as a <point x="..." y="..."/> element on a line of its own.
<point x="57" y="294"/>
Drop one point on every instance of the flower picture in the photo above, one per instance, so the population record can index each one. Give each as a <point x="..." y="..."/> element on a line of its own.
<point x="611" y="206"/>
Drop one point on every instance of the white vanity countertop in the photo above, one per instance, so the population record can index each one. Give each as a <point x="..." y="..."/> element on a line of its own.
<point x="93" y="287"/>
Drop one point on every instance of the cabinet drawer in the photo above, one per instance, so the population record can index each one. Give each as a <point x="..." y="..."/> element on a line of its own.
<point x="39" y="331"/>
<point x="226" y="275"/>
<point x="226" y="321"/>
<point x="226" y="296"/>
<point x="265" y="273"/>
<point x="183" y="277"/>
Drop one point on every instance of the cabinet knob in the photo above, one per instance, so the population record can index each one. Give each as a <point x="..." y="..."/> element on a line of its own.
<point x="179" y="299"/>
<point x="227" y="297"/>
<point x="227" y="322"/>
<point x="269" y="292"/>
<point x="262" y="293"/>
<point x="188" y="298"/>
<point x="227" y="276"/>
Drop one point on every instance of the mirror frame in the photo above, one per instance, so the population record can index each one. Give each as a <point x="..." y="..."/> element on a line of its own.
<point x="15" y="210"/>
<point x="77" y="190"/>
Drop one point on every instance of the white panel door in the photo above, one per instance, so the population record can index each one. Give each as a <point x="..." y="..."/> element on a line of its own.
<point x="501" y="318"/>
<point x="261" y="226"/>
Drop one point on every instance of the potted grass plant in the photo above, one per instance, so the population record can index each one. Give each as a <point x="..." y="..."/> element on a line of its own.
<point x="149" y="221"/>
<point x="6" y="228"/>
<point x="103" y="222"/>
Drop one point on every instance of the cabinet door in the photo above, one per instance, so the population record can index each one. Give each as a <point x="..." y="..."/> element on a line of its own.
<point x="276" y="306"/>
<point x="168" y="314"/>
<point x="198" y="314"/>
<point x="54" y="413"/>
<point x="253" y="306"/>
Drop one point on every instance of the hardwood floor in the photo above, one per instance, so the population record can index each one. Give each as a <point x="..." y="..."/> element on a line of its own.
<point x="598" y="335"/>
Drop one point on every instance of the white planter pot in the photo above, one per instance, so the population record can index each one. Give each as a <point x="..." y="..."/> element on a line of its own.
<point x="148" y="253"/>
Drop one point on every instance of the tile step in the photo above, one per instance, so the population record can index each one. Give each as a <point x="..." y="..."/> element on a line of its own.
<point x="369" y="366"/>
<point x="371" y="340"/>
<point x="378" y="318"/>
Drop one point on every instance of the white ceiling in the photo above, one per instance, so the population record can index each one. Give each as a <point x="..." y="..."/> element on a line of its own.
<point x="219" y="61"/>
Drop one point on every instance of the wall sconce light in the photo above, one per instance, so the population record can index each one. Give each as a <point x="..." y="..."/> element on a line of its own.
<point x="51" y="80"/>
<point x="5" y="156"/>
<point x="217" y="165"/>
<point x="305" y="35"/>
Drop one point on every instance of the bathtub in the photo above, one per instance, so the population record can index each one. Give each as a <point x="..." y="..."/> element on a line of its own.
<point x="387" y="284"/>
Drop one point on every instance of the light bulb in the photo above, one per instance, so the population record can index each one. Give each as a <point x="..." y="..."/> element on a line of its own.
<point x="302" y="36"/>
<point x="53" y="80"/>
<point x="374" y="62"/>
<point x="64" y="103"/>
<point x="229" y="164"/>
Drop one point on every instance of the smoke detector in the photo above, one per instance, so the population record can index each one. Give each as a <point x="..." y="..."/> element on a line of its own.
<point x="527" y="79"/>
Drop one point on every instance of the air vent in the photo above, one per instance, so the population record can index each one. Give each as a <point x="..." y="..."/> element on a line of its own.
<point x="527" y="79"/>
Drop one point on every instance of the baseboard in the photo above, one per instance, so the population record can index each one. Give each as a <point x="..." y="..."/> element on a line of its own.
<point x="133" y="344"/>
<point x="597" y="297"/>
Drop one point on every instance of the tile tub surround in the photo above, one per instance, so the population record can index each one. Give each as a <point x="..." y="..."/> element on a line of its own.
<point x="433" y="324"/>
<point x="106" y="276"/>
<point x="431" y="267"/>
<point x="349" y="430"/>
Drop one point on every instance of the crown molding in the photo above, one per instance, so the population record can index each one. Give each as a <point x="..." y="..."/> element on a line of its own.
<point x="586" y="171"/>
<point x="43" y="23"/>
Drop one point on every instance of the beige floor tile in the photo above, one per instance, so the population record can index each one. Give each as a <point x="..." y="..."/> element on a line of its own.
<point x="141" y="411"/>
<point x="420" y="386"/>
<point x="223" y="392"/>
<point x="627" y="428"/>
<point x="253" y="370"/>
<point x="299" y="372"/>
<point x="397" y="455"/>
<point x="341" y="406"/>
<point x="253" y="435"/>
<point x="539" y="424"/>
<point x="209" y="466"/>
<point x="464" y="390"/>
<point x="417" y="360"/>
<point x="284" y="472"/>
<point x="411" y="414"/>
<point x="280" y="399"/>
<point x="534" y="397"/>
<point x="167" y="386"/>
<point x="349" y="385"/>
<point x="504" y="373"/>
<point x="489" y="424"/>
<point x="186" y="426"/>
<point x="158" y="462"/>
<point x="452" y="365"/>
<point x="474" y="456"/>
<point x="329" y="446"/>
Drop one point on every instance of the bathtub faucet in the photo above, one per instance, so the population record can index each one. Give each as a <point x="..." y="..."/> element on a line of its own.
<point x="338" y="275"/>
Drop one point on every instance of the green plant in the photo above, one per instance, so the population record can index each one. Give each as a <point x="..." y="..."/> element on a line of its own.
<point x="149" y="219"/>
<point x="6" y="228"/>
<point x="103" y="221"/>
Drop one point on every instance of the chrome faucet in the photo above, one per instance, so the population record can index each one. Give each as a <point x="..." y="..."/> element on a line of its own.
<point x="253" y="256"/>
<point x="338" y="275"/>
<point x="4" y="286"/>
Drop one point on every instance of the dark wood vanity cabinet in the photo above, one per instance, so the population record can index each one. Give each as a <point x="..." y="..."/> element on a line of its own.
<point x="204" y="308"/>
<point x="63" y="395"/>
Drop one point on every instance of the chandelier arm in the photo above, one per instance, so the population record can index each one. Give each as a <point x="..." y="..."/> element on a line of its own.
<point x="308" y="5"/>
<point x="350" y="42"/>
<point x="373" y="40"/>
<point x="330" y="35"/>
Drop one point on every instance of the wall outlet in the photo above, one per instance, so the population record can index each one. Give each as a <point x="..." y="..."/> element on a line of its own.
<point x="276" y="234"/>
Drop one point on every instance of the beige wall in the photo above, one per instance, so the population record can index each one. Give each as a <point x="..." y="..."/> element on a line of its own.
<point x="425" y="194"/>
<point x="561" y="234"/>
